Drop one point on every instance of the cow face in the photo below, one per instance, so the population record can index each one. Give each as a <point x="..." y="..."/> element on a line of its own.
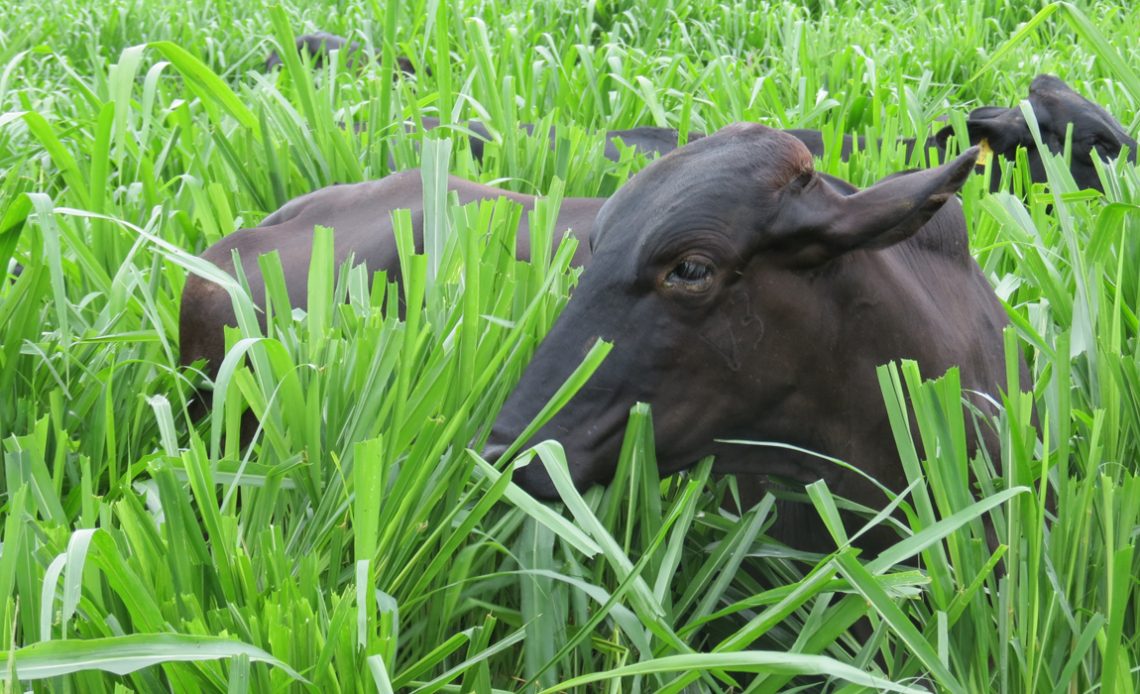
<point x="709" y="277"/>
<point x="1055" y="106"/>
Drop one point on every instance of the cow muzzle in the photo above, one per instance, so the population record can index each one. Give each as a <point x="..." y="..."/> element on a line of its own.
<point x="532" y="477"/>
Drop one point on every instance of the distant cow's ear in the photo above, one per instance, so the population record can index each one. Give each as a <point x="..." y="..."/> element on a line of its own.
<point x="1003" y="129"/>
<point x="817" y="223"/>
<point x="987" y="123"/>
<point x="987" y="113"/>
<point x="943" y="136"/>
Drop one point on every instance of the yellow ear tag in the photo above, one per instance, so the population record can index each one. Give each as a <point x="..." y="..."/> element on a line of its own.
<point x="985" y="153"/>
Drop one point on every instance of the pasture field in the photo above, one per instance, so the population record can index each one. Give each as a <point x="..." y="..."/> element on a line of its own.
<point x="359" y="545"/>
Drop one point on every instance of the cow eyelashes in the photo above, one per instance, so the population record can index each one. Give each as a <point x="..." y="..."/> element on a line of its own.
<point x="692" y="274"/>
<point x="691" y="270"/>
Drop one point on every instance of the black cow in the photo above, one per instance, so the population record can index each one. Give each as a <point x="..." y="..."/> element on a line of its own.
<point x="1055" y="106"/>
<point x="320" y="44"/>
<point x="749" y="297"/>
<point x="730" y="302"/>
<point x="360" y="216"/>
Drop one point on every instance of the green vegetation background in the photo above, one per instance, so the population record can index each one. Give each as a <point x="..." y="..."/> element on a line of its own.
<point x="358" y="546"/>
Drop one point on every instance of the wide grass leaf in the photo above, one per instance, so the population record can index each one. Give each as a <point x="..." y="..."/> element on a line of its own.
<point x="745" y="661"/>
<point x="125" y="654"/>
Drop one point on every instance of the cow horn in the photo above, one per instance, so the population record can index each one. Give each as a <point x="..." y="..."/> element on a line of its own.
<point x="817" y="230"/>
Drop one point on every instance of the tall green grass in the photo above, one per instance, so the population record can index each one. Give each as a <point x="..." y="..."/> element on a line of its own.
<point x="360" y="543"/>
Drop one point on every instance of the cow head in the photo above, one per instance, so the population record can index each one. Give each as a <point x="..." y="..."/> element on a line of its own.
<point x="710" y="278"/>
<point x="1055" y="106"/>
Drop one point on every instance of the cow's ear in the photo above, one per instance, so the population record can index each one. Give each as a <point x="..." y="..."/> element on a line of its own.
<point x="943" y="136"/>
<point x="817" y="223"/>
<point x="987" y="113"/>
<point x="983" y="123"/>
<point x="1003" y="129"/>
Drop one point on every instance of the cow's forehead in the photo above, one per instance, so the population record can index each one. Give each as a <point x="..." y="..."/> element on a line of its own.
<point x="1049" y="83"/>
<point x="742" y="164"/>
<point x="1058" y="95"/>
<point x="1064" y="105"/>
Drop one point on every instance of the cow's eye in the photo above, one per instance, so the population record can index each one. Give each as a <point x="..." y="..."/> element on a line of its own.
<point x="692" y="274"/>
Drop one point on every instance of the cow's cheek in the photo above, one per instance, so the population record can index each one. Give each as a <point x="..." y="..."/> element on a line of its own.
<point x="705" y="389"/>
